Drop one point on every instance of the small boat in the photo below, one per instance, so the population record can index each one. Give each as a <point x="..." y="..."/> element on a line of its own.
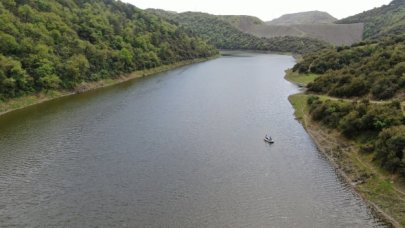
<point x="268" y="139"/>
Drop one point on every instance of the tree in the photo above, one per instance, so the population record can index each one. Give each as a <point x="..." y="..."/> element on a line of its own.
<point x="26" y="13"/>
<point x="50" y="82"/>
<point x="8" y="44"/>
<point x="76" y="68"/>
<point x="390" y="148"/>
<point x="13" y="79"/>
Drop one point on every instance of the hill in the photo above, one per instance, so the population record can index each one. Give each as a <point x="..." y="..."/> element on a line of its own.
<point x="314" y="25"/>
<point x="59" y="44"/>
<point x="242" y="22"/>
<point x="311" y="17"/>
<point x="218" y="31"/>
<point x="385" y="20"/>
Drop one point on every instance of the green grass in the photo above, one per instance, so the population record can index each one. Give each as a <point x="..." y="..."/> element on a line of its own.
<point x="299" y="102"/>
<point x="29" y="100"/>
<point x="380" y="191"/>
<point x="300" y="79"/>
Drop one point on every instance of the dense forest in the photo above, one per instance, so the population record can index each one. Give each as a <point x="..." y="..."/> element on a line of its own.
<point x="220" y="33"/>
<point x="374" y="69"/>
<point x="50" y="44"/>
<point x="385" y="20"/>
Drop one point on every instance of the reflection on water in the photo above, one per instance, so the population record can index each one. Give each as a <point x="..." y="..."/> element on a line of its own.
<point x="183" y="148"/>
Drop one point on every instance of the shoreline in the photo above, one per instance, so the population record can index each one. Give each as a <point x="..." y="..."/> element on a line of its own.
<point x="344" y="156"/>
<point x="19" y="103"/>
<point x="381" y="214"/>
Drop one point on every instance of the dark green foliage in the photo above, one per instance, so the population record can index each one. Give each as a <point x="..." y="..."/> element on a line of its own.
<point x="390" y="148"/>
<point x="369" y="68"/>
<point x="13" y="78"/>
<point x="223" y="35"/>
<point x="386" y="20"/>
<point x="382" y="124"/>
<point x="357" y="117"/>
<point x="48" y="44"/>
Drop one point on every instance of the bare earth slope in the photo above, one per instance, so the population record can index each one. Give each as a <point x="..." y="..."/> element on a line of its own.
<point x="314" y="24"/>
<point x="342" y="34"/>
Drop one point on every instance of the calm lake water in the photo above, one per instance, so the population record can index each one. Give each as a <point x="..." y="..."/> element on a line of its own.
<point x="179" y="149"/>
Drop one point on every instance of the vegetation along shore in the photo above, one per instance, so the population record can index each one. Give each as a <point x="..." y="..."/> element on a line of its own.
<point x="357" y="124"/>
<point x="43" y="96"/>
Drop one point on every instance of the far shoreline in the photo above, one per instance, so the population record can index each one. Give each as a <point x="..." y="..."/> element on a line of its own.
<point x="23" y="102"/>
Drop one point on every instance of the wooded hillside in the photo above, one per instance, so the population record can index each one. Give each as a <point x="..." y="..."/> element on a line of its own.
<point x="50" y="44"/>
<point x="385" y="20"/>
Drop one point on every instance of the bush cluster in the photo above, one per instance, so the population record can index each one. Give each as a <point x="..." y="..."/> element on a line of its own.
<point x="382" y="124"/>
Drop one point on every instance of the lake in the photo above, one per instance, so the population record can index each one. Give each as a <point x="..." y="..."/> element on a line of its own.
<point x="182" y="148"/>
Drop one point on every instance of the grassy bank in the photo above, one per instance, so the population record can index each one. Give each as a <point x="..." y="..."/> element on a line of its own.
<point x="300" y="79"/>
<point x="376" y="186"/>
<point x="28" y="100"/>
